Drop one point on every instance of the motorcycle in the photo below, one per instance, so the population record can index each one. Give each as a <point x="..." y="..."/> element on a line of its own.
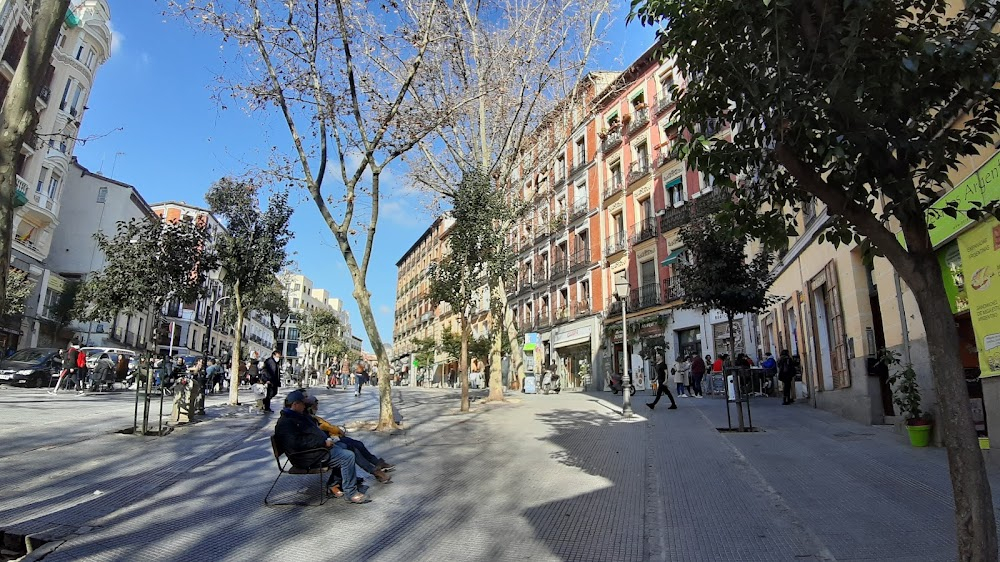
<point x="616" y="385"/>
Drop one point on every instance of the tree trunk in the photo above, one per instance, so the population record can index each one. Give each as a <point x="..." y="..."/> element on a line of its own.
<point x="363" y="298"/>
<point x="736" y="381"/>
<point x="496" y="363"/>
<point x="234" y="367"/>
<point x="516" y="372"/>
<point x="19" y="117"/>
<point x="974" y="517"/>
<point x="463" y="363"/>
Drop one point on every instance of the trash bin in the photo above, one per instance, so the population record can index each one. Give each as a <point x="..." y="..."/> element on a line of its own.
<point x="529" y="384"/>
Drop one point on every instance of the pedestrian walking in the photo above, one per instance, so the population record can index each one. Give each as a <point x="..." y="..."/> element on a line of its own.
<point x="362" y="377"/>
<point x="682" y="370"/>
<point x="272" y="378"/>
<point x="697" y="374"/>
<point x="661" y="384"/>
<point x="786" y="374"/>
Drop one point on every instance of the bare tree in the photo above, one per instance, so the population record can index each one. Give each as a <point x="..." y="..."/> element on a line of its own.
<point x="18" y="116"/>
<point x="342" y="74"/>
<point x="521" y="62"/>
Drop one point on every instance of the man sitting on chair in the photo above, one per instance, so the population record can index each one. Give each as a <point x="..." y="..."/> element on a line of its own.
<point x="307" y="446"/>
<point x="376" y="466"/>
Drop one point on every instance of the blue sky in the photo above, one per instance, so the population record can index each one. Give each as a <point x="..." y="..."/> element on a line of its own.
<point x="152" y="122"/>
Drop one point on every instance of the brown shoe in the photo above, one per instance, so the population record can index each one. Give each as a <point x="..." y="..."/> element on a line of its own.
<point x="335" y="491"/>
<point x="385" y="467"/>
<point x="381" y="476"/>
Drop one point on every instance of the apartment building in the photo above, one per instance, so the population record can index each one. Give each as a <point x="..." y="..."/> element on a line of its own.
<point x="185" y="329"/>
<point x="558" y="292"/>
<point x="303" y="298"/>
<point x="82" y="47"/>
<point x="75" y="254"/>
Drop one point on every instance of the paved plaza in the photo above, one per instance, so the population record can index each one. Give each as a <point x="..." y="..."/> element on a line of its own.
<point x="556" y="477"/>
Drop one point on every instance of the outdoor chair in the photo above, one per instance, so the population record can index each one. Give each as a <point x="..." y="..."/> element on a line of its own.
<point x="287" y="468"/>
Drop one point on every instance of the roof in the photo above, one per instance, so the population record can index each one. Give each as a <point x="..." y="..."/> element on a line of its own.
<point x="141" y="200"/>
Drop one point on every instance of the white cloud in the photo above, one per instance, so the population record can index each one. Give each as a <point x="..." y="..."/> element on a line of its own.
<point x="384" y="310"/>
<point x="117" y="40"/>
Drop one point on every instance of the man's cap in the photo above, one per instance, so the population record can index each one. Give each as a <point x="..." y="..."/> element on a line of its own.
<point x="295" y="396"/>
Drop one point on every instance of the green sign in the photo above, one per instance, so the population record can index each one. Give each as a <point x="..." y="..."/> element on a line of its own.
<point x="980" y="188"/>
<point x="980" y="249"/>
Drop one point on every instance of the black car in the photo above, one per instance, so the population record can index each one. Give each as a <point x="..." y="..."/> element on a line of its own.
<point x="30" y="367"/>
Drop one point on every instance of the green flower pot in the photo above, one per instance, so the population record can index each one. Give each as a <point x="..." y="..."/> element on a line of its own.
<point x="920" y="435"/>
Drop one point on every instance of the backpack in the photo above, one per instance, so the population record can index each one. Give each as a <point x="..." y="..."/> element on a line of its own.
<point x="71" y="357"/>
<point x="81" y="360"/>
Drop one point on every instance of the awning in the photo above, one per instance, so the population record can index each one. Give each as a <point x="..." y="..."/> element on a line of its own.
<point x="672" y="257"/>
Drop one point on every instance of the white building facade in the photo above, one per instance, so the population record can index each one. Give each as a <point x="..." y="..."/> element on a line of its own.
<point x="46" y="155"/>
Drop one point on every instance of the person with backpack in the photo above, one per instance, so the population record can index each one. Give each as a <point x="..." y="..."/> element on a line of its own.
<point x="786" y="374"/>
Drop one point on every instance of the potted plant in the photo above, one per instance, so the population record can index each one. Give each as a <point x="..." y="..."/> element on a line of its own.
<point x="906" y="396"/>
<point x="603" y="133"/>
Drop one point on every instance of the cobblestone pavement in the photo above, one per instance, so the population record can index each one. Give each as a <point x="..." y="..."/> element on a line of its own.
<point x="556" y="477"/>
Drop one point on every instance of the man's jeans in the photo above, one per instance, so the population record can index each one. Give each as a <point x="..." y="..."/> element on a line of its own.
<point x="344" y="459"/>
<point x="367" y="461"/>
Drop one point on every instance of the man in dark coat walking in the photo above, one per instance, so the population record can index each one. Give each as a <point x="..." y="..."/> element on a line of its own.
<point x="661" y="386"/>
<point x="272" y="378"/>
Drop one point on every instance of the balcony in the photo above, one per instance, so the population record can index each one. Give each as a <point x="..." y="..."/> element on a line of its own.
<point x="562" y="314"/>
<point x="557" y="223"/>
<point x="580" y="209"/>
<point x="615" y="243"/>
<point x="672" y="290"/>
<point x="663" y="157"/>
<point x="581" y="308"/>
<point x="541" y="232"/>
<point x="663" y="101"/>
<point x="640" y="118"/>
<point x="637" y="171"/>
<point x="614" y="307"/>
<point x="675" y="217"/>
<point x="644" y="230"/>
<point x="647" y="296"/>
<point x="612" y="187"/>
<point x="559" y="266"/>
<point x="578" y="167"/>
<point x="541" y="276"/>
<point x="580" y="258"/>
<point x="612" y="141"/>
<point x="21" y="193"/>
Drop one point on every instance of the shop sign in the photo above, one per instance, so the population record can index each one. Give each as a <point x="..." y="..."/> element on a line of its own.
<point x="980" y="248"/>
<point x="57" y="284"/>
<point x="716" y="316"/>
<point x="981" y="187"/>
<point x="950" y="260"/>
<point x="561" y="336"/>
<point x="531" y="341"/>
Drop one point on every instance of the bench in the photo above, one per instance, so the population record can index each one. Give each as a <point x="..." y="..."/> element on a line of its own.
<point x="286" y="467"/>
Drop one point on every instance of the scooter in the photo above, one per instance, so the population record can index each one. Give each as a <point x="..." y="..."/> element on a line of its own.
<point x="616" y="385"/>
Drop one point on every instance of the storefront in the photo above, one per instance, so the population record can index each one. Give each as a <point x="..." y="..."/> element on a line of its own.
<point x="572" y="350"/>
<point x="646" y="339"/>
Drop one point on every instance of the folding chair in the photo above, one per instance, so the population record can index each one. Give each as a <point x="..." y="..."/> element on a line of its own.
<point x="287" y="468"/>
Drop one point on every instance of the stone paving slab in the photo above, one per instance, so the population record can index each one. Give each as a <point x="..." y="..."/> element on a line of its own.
<point x="558" y="477"/>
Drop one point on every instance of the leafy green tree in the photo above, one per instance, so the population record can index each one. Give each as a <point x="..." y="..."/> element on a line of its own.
<point x="451" y="344"/>
<point x="65" y="309"/>
<point x="866" y="106"/>
<point x="274" y="304"/>
<point x="149" y="262"/>
<point x="19" y="117"/>
<point x="18" y="289"/>
<point x="424" y="353"/>
<point x="251" y="251"/>
<point x="721" y="275"/>
<point x="476" y="254"/>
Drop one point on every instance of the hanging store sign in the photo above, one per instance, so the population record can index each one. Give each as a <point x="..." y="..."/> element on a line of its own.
<point x="980" y="249"/>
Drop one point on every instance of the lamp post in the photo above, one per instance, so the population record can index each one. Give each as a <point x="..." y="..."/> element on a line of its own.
<point x="621" y="293"/>
<point x="219" y="275"/>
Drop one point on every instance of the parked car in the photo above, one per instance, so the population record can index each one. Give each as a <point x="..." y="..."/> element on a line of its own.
<point x="94" y="353"/>
<point x="32" y="367"/>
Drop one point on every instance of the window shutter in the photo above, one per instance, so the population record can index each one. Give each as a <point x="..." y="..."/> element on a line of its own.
<point x="841" y="372"/>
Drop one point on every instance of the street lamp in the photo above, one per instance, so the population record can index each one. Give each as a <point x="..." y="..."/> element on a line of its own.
<point x="621" y="293"/>
<point x="217" y="275"/>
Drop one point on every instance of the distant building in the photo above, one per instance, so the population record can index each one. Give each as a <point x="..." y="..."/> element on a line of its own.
<point x="303" y="298"/>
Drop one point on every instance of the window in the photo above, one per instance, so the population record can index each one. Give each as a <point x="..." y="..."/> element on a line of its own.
<point x="560" y="167"/>
<point x="79" y="48"/>
<point x="65" y="94"/>
<point x="642" y="155"/>
<point x="619" y="223"/>
<point x="581" y="151"/>
<point x="674" y="192"/>
<point x="707" y="183"/>
<point x="666" y="85"/>
<point x="52" y="299"/>
<point x="53" y="185"/>
<point x="638" y="101"/>
<point x="646" y="205"/>
<point x="616" y="173"/>
<point x="91" y="57"/>
<point x="41" y="180"/>
<point x="583" y="292"/>
<point x="647" y="273"/>
<point x="74" y="107"/>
